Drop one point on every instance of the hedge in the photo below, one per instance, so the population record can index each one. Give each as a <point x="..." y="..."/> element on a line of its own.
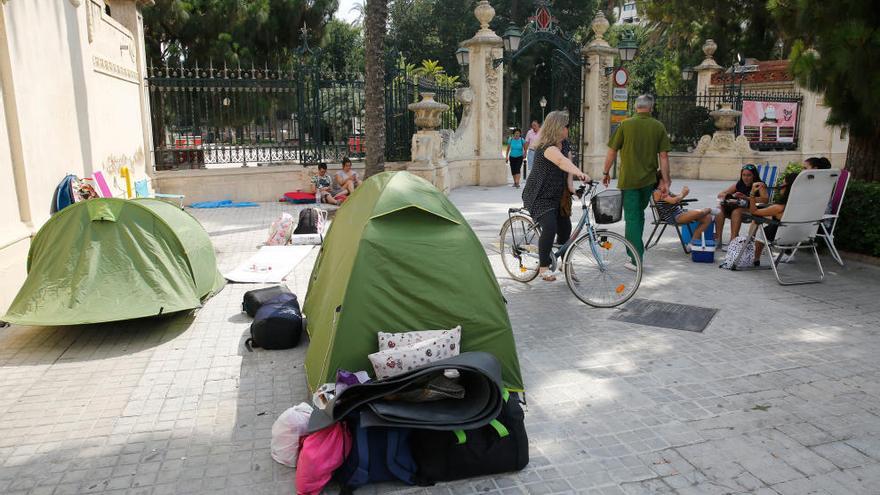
<point x="858" y="229"/>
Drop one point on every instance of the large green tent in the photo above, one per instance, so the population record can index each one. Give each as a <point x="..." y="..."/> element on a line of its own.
<point x="113" y="259"/>
<point x="398" y="257"/>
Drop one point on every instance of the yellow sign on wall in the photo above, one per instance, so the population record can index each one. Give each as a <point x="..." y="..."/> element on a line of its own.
<point x="615" y="119"/>
<point x="619" y="105"/>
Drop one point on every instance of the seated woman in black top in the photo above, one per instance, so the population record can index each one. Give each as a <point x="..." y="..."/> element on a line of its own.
<point x="734" y="201"/>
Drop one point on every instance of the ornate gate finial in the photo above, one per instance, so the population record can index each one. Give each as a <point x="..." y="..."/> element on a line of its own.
<point x="484" y="13"/>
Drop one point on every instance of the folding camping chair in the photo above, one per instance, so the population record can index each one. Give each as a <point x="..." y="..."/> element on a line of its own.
<point x="661" y="224"/>
<point x="826" y="228"/>
<point x="798" y="228"/>
<point x="768" y="174"/>
<point x="142" y="190"/>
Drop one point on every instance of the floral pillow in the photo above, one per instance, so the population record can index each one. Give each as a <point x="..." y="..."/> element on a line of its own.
<point x="402" y="352"/>
<point x="407" y="339"/>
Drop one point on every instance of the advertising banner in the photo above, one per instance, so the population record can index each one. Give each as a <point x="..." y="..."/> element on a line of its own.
<point x="769" y="121"/>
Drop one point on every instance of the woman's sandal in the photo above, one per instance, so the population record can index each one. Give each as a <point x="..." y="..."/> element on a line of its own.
<point x="548" y="277"/>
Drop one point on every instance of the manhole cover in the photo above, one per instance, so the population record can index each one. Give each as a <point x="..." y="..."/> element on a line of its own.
<point x="665" y="315"/>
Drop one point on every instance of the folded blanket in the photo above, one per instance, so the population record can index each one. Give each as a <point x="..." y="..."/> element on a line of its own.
<point x="479" y="375"/>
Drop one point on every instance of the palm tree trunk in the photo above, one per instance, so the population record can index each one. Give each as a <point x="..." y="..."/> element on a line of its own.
<point x="376" y="17"/>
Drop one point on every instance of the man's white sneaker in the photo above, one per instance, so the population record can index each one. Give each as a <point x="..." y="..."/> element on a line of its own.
<point x="629" y="265"/>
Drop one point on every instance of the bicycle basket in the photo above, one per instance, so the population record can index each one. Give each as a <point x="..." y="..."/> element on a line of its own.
<point x="608" y="206"/>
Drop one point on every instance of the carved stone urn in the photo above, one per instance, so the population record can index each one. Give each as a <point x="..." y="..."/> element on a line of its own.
<point x="484" y="13"/>
<point x="725" y="117"/>
<point x="428" y="112"/>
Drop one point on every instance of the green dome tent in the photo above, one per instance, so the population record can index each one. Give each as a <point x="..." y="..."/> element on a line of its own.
<point x="113" y="259"/>
<point x="399" y="256"/>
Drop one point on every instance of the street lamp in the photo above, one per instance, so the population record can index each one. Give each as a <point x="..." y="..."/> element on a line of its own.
<point x="687" y="73"/>
<point x="511" y="38"/>
<point x="463" y="57"/>
<point x="627" y="49"/>
<point x="543" y="103"/>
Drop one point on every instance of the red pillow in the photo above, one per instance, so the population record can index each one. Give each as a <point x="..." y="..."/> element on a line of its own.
<point x="299" y="197"/>
<point x="341" y="198"/>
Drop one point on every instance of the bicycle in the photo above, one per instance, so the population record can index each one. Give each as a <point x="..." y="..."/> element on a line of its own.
<point x="594" y="261"/>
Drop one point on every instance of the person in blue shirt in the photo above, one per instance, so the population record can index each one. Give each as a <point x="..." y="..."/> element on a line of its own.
<point x="516" y="146"/>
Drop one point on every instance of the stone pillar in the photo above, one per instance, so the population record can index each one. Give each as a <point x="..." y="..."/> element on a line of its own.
<point x="596" y="112"/>
<point x="707" y="68"/>
<point x="480" y="141"/>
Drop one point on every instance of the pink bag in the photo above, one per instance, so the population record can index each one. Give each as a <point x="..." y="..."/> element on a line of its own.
<point x="321" y="453"/>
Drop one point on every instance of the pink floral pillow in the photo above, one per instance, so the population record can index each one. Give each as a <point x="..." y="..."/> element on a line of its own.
<point x="402" y="352"/>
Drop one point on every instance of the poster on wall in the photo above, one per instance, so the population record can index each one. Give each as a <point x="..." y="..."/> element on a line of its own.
<point x="769" y="121"/>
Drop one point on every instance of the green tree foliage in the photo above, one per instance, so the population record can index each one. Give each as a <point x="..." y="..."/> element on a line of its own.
<point x="430" y="29"/>
<point x="737" y="26"/>
<point x="232" y="31"/>
<point x="342" y="49"/>
<point x="836" y="50"/>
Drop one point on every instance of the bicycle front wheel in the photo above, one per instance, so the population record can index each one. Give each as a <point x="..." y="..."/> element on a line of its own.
<point x="597" y="273"/>
<point x="519" y="248"/>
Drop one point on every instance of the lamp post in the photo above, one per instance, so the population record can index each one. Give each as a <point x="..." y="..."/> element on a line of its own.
<point x="627" y="49"/>
<point x="543" y="103"/>
<point x="511" y="38"/>
<point x="687" y="74"/>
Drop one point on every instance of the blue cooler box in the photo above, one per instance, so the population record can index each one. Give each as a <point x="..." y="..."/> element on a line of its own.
<point x="703" y="251"/>
<point x="687" y="231"/>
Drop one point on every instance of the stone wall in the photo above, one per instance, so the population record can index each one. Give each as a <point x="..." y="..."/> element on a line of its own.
<point x="71" y="101"/>
<point x="242" y="184"/>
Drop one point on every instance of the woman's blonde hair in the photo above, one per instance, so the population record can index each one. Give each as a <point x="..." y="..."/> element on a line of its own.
<point x="553" y="129"/>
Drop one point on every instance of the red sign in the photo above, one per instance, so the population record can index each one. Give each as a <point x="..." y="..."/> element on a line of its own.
<point x="769" y="121"/>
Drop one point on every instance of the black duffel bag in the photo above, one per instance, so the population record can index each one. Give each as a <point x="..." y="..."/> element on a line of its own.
<point x="499" y="447"/>
<point x="254" y="299"/>
<point x="278" y="324"/>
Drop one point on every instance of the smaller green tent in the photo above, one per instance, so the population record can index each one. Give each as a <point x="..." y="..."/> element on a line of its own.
<point x="113" y="259"/>
<point x="398" y="257"/>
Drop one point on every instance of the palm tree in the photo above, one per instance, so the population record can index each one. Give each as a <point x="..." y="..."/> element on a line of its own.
<point x="375" y="20"/>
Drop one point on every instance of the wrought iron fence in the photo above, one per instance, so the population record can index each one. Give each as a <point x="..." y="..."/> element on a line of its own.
<point x="219" y="117"/>
<point x="207" y="117"/>
<point x="687" y="119"/>
<point x="402" y="89"/>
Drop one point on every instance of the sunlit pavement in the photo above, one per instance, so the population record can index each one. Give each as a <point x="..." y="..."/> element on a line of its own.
<point x="780" y="393"/>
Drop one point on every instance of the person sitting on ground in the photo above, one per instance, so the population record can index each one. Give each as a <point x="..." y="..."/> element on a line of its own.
<point x="347" y="179"/>
<point x="670" y="210"/>
<point x="817" y="163"/>
<point x="734" y="201"/>
<point x="774" y="211"/>
<point x="323" y="186"/>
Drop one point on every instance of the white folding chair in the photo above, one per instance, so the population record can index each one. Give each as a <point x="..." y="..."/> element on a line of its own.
<point x="799" y="226"/>
<point x="826" y="228"/>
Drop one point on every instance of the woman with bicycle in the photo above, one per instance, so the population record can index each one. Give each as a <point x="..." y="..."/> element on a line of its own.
<point x="542" y="194"/>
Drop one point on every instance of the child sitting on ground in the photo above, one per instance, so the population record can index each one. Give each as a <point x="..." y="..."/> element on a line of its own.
<point x="670" y="210"/>
<point x="324" y="187"/>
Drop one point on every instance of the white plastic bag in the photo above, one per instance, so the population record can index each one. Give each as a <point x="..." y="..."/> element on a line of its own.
<point x="286" y="432"/>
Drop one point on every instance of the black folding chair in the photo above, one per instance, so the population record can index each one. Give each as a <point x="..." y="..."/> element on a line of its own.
<point x="661" y="224"/>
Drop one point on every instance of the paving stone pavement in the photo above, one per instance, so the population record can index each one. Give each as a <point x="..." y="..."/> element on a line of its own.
<point x="779" y="395"/>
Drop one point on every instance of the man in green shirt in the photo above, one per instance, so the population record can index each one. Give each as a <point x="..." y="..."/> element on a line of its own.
<point x="639" y="140"/>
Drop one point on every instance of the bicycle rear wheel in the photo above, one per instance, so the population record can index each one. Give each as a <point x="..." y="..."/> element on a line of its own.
<point x="519" y="248"/>
<point x="596" y="273"/>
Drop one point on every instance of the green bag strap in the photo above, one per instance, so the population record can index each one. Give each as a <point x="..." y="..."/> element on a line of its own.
<point x="460" y="435"/>
<point x="500" y="428"/>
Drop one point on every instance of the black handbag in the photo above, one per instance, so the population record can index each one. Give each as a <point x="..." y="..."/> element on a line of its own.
<point x="501" y="446"/>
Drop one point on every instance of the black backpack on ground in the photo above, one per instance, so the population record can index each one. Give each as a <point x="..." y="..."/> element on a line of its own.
<point x="499" y="447"/>
<point x="377" y="454"/>
<point x="278" y="324"/>
<point x="308" y="222"/>
<point x="253" y="299"/>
